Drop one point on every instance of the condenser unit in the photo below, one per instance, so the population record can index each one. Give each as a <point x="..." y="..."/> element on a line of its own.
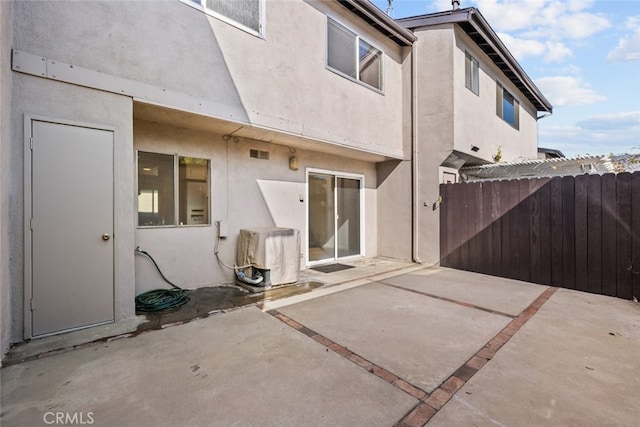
<point x="273" y="251"/>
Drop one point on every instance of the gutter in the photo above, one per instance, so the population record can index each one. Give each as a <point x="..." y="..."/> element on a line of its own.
<point x="380" y="20"/>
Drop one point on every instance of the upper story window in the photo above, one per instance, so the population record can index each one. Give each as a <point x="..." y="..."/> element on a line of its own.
<point x="244" y="14"/>
<point x="471" y="73"/>
<point x="507" y="107"/>
<point x="353" y="57"/>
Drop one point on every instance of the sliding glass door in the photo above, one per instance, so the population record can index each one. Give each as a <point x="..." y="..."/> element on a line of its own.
<point x="334" y="212"/>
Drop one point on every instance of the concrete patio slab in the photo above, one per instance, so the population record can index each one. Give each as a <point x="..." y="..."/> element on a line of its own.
<point x="576" y="362"/>
<point x="214" y="299"/>
<point x="240" y="368"/>
<point x="494" y="293"/>
<point x="420" y="339"/>
<point x="363" y="354"/>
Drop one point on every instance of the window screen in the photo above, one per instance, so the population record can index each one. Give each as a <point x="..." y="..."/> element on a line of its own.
<point x="244" y="12"/>
<point x="341" y="49"/>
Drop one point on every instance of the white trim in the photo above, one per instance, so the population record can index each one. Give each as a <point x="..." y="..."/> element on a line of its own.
<point x="27" y="329"/>
<point x="261" y="33"/>
<point x="336" y="174"/>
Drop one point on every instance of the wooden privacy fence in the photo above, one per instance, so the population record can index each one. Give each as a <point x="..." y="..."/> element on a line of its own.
<point x="578" y="232"/>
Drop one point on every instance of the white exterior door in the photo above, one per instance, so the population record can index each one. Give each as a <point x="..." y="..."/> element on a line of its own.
<point x="71" y="228"/>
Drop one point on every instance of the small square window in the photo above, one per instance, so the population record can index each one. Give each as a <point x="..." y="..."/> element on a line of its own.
<point x="160" y="201"/>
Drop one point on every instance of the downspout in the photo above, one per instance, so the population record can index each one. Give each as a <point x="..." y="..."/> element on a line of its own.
<point x="414" y="156"/>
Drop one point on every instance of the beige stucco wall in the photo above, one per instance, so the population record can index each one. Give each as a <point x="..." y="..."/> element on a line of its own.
<point x="276" y="82"/>
<point x="394" y="187"/>
<point x="5" y="146"/>
<point x="45" y="98"/>
<point x="435" y="131"/>
<point x="189" y="61"/>
<point x="286" y="84"/>
<point x="165" y="44"/>
<point x="245" y="192"/>
<point x="476" y="120"/>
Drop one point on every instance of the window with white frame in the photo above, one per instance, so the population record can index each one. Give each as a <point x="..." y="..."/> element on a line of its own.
<point x="172" y="187"/>
<point x="353" y="57"/>
<point x="472" y="73"/>
<point x="244" y="14"/>
<point x="507" y="107"/>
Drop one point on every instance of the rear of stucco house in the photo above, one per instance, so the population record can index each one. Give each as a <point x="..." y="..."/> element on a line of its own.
<point x="287" y="114"/>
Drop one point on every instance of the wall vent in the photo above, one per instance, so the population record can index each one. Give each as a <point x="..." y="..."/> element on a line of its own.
<point x="257" y="154"/>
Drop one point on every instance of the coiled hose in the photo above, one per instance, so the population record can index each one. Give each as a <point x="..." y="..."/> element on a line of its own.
<point x="160" y="299"/>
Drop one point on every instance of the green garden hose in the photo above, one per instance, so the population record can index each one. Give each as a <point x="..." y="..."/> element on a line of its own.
<point x="160" y="299"/>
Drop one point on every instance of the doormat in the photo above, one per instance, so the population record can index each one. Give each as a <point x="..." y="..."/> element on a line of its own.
<point x="330" y="268"/>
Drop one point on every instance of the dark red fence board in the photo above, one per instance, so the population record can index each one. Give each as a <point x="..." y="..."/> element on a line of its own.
<point x="594" y="234"/>
<point x="624" y="257"/>
<point x="609" y="234"/>
<point x="568" y="232"/>
<point x="579" y="233"/>
<point x="486" y="233"/>
<point x="556" y="232"/>
<point x="545" y="232"/>
<point x="635" y="227"/>
<point x="496" y="230"/>
<point x="582" y="229"/>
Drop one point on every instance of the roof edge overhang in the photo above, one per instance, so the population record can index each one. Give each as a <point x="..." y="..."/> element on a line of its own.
<point x="380" y="21"/>
<point x="471" y="21"/>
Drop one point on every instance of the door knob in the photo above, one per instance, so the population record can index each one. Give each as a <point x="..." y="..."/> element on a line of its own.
<point x="106" y="236"/>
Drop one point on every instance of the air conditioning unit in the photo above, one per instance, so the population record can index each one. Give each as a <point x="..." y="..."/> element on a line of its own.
<point x="274" y="251"/>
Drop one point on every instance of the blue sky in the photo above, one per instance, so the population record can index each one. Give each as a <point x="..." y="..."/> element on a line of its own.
<point x="584" y="55"/>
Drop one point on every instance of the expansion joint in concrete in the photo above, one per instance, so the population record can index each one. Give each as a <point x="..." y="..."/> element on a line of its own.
<point x="429" y="406"/>
<point x="376" y="370"/>
<point x="441" y="298"/>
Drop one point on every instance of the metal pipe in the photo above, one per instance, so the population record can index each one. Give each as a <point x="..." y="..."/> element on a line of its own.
<point x="414" y="157"/>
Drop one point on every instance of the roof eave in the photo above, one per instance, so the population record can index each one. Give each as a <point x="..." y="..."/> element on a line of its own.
<point x="380" y="21"/>
<point x="475" y="25"/>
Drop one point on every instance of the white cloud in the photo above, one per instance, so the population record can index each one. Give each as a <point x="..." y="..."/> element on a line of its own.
<point x="628" y="48"/>
<point x="582" y="25"/>
<point x="511" y="16"/>
<point x="520" y="47"/>
<point x="544" y="19"/>
<point x="568" y="90"/>
<point x="575" y="140"/>
<point x="542" y="28"/>
<point x="551" y="51"/>
<point x="617" y="121"/>
<point x="556" y="52"/>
